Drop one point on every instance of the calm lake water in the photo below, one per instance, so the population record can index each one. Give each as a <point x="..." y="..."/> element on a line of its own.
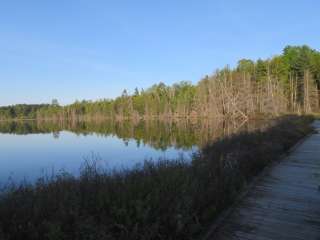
<point x="30" y="149"/>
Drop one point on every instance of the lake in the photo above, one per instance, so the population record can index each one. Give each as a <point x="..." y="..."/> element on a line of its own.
<point x="30" y="149"/>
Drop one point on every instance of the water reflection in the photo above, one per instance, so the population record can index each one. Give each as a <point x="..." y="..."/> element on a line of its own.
<point x="161" y="135"/>
<point x="29" y="148"/>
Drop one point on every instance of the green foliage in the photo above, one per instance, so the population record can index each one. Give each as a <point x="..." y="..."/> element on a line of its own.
<point x="246" y="65"/>
<point x="261" y="70"/>
<point x="280" y="69"/>
<point x="21" y="111"/>
<point x="298" y="58"/>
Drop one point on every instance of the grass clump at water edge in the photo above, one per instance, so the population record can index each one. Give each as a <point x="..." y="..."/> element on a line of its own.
<point x="159" y="200"/>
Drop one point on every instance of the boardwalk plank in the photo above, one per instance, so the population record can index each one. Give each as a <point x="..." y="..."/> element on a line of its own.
<point x="283" y="205"/>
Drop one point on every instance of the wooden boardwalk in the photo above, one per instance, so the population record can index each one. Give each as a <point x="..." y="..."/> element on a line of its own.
<point x="284" y="204"/>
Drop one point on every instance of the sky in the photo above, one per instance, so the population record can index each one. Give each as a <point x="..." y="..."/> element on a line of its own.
<point x="93" y="49"/>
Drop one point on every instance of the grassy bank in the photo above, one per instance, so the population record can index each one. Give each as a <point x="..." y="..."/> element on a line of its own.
<point x="162" y="200"/>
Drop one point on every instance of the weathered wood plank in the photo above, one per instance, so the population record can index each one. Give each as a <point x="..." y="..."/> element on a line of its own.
<point x="285" y="204"/>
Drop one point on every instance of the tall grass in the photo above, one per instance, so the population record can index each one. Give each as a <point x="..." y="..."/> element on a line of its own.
<point x="159" y="200"/>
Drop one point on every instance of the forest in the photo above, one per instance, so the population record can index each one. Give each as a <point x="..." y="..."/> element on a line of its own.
<point x="285" y="83"/>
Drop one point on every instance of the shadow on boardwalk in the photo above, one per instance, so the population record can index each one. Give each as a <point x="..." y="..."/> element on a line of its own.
<point x="284" y="204"/>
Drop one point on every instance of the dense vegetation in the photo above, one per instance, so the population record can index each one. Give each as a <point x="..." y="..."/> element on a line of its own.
<point x="22" y="111"/>
<point x="286" y="83"/>
<point x="159" y="200"/>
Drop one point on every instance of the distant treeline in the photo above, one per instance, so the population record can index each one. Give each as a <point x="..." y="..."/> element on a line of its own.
<point x="287" y="83"/>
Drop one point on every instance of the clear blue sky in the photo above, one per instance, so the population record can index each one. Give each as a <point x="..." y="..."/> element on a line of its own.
<point x="91" y="49"/>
